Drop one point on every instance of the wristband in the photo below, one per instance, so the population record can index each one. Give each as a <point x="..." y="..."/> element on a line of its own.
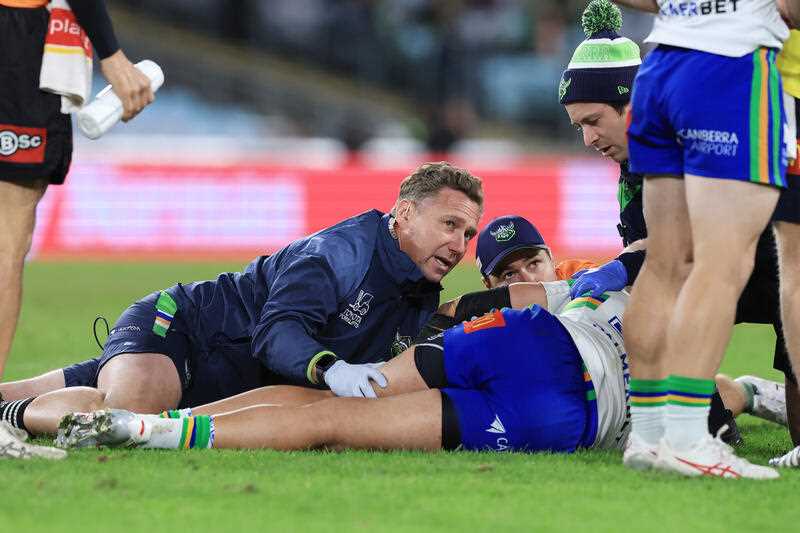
<point x="632" y="261"/>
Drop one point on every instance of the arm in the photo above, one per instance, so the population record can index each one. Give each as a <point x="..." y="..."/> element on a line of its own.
<point x="515" y="296"/>
<point x="642" y="5"/>
<point x="303" y="297"/>
<point x="132" y="87"/>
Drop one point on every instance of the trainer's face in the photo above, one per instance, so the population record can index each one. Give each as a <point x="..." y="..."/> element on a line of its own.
<point x="602" y="128"/>
<point x="531" y="264"/>
<point x="435" y="231"/>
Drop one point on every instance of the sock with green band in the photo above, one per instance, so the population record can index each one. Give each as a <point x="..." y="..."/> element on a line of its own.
<point x="182" y="433"/>
<point x="648" y="402"/>
<point x="688" y="404"/>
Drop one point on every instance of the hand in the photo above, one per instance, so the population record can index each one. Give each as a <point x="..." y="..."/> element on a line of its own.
<point x="609" y="277"/>
<point x="349" y="380"/>
<point x="129" y="84"/>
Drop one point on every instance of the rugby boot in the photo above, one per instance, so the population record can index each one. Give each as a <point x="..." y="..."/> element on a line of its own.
<point x="709" y="457"/>
<point x="111" y="427"/>
<point x="13" y="445"/>
<point x="790" y="459"/>
<point x="766" y="399"/>
<point x="638" y="454"/>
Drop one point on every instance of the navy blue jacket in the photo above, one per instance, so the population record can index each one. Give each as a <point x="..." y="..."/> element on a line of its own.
<point x="347" y="289"/>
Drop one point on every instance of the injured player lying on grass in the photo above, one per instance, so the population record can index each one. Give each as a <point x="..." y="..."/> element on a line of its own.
<point x="520" y="379"/>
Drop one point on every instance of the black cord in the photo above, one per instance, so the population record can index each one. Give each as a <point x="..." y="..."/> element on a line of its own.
<point x="94" y="330"/>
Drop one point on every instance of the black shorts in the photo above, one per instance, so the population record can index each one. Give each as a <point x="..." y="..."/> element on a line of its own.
<point x="35" y="137"/>
<point x="208" y="373"/>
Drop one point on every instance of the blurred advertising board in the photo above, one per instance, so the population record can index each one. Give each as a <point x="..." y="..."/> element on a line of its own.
<point x="238" y="210"/>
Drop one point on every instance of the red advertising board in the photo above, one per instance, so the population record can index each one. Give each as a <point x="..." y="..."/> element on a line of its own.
<point x="162" y="210"/>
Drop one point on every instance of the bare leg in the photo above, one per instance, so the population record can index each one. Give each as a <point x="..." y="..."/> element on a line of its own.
<point x="17" y="220"/>
<point x="145" y="383"/>
<point x="401" y="374"/>
<point x="408" y="421"/>
<point x="703" y="318"/>
<point x="788" y="238"/>
<point x="28" y="388"/>
<point x="664" y="272"/>
<point x="733" y="394"/>
<point x="793" y="410"/>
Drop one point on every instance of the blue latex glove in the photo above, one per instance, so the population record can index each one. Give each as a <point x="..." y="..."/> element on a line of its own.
<point x="609" y="277"/>
<point x="349" y="380"/>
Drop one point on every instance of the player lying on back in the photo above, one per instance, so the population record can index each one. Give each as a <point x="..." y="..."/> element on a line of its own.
<point x="521" y="379"/>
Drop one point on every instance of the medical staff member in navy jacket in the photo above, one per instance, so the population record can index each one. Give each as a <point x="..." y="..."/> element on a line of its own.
<point x="321" y="312"/>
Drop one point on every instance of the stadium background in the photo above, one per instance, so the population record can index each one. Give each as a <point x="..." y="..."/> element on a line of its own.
<point x="281" y="117"/>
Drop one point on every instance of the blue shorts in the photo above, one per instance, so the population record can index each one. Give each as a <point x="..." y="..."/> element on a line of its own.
<point x="517" y="383"/>
<point x="708" y="115"/>
<point x="207" y="373"/>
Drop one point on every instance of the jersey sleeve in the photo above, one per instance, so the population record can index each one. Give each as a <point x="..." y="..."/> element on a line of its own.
<point x="304" y="294"/>
<point x="93" y="18"/>
<point x="557" y="295"/>
<point x="567" y="269"/>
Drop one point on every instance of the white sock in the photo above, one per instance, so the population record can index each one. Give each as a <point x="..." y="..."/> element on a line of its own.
<point x="647" y="423"/>
<point x="685" y="426"/>
<point x="164" y="432"/>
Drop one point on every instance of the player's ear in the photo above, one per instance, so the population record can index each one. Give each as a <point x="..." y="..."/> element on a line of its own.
<point x="404" y="210"/>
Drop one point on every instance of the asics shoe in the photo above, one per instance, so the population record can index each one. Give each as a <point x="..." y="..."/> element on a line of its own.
<point x="638" y="454"/>
<point x="13" y="445"/>
<point x="709" y="457"/>
<point x="110" y="427"/>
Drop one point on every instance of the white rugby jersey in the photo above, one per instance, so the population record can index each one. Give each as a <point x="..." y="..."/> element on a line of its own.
<point x="595" y="325"/>
<point x="725" y="27"/>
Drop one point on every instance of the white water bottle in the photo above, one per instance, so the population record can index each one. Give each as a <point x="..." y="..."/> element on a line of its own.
<point x="106" y="109"/>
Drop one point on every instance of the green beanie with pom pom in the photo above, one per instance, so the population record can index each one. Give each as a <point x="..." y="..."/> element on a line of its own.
<point x="603" y="66"/>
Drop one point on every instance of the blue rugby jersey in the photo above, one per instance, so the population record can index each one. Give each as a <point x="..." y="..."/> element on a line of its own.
<point x="347" y="289"/>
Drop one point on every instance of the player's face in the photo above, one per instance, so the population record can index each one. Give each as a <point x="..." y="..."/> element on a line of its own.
<point x="435" y="231"/>
<point x="531" y="264"/>
<point x="602" y="127"/>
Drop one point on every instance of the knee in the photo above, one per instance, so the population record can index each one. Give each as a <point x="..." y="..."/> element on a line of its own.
<point x="96" y="400"/>
<point x="670" y="267"/>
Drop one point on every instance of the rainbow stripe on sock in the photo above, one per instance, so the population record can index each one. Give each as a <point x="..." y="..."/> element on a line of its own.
<point x="197" y="432"/>
<point x="689" y="392"/>
<point x="648" y="392"/>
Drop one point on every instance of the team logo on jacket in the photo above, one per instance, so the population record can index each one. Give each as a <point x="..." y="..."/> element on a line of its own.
<point x="400" y="344"/>
<point x="504" y="232"/>
<point x="355" y="311"/>
<point x="22" y="145"/>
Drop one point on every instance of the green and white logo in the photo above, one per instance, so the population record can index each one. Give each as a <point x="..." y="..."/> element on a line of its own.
<point x="562" y="88"/>
<point x="504" y="233"/>
<point x="621" y="89"/>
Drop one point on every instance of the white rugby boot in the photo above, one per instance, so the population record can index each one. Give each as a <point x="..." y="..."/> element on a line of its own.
<point x="110" y="427"/>
<point x="638" y="454"/>
<point x="790" y="459"/>
<point x="13" y="445"/>
<point x="768" y="398"/>
<point x="709" y="457"/>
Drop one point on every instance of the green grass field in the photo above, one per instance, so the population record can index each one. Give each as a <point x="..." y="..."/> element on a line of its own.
<point x="145" y="490"/>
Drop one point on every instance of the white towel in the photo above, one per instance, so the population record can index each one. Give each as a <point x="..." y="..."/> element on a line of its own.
<point x="67" y="59"/>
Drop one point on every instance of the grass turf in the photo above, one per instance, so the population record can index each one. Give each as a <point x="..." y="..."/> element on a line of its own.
<point x="121" y="490"/>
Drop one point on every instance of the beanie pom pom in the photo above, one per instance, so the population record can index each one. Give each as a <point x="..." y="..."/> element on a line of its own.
<point x="601" y="15"/>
